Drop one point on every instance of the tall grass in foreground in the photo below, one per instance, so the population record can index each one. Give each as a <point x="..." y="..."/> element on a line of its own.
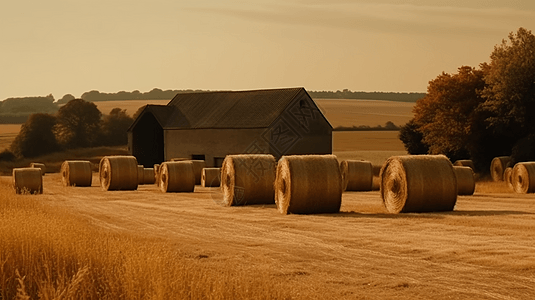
<point x="49" y="253"/>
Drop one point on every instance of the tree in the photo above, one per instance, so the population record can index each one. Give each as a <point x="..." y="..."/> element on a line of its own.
<point x="510" y="86"/>
<point x="446" y="116"/>
<point x="114" y="127"/>
<point x="78" y="124"/>
<point x="66" y="98"/>
<point x="36" y="136"/>
<point x="412" y="138"/>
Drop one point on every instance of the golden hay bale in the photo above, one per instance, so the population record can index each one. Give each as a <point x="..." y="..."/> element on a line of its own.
<point x="497" y="167"/>
<point x="179" y="159"/>
<point x="376" y="183"/>
<point x="248" y="179"/>
<point x="118" y="173"/>
<point x="211" y="177"/>
<point x="198" y="165"/>
<point x="523" y="177"/>
<point x="140" y="174"/>
<point x="308" y="184"/>
<point x="418" y="183"/>
<point x="177" y="176"/>
<point x="40" y="166"/>
<point x="157" y="174"/>
<point x="464" y="163"/>
<point x="149" y="176"/>
<point x="27" y="180"/>
<point x="508" y="177"/>
<point x="466" y="183"/>
<point x="357" y="175"/>
<point x="76" y="173"/>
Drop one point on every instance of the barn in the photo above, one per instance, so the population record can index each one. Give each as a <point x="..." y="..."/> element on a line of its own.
<point x="211" y="125"/>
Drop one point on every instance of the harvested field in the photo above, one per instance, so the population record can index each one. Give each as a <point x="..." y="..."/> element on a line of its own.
<point x="482" y="250"/>
<point x="8" y="132"/>
<point x="342" y="112"/>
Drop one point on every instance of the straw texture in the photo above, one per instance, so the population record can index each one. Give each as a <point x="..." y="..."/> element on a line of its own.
<point x="466" y="184"/>
<point x="211" y="177"/>
<point x="508" y="177"/>
<point x="157" y="174"/>
<point x="118" y="173"/>
<point x="523" y="177"/>
<point x="76" y="173"/>
<point x="40" y="166"/>
<point x="248" y="179"/>
<point x="497" y="167"/>
<point x="198" y="165"/>
<point x="357" y="175"/>
<point x="27" y="180"/>
<point x="177" y="176"/>
<point x="418" y="183"/>
<point x="140" y="174"/>
<point x="464" y="163"/>
<point x="308" y="184"/>
<point x="149" y="176"/>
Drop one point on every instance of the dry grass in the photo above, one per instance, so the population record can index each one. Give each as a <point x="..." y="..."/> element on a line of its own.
<point x="481" y="250"/>
<point x="8" y="132"/>
<point x="48" y="253"/>
<point x="131" y="106"/>
<point x="365" y="112"/>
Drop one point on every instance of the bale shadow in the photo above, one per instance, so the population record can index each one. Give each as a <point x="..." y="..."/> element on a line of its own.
<point x="429" y="215"/>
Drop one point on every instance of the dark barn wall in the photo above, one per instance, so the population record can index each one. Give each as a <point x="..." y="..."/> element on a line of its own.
<point x="147" y="141"/>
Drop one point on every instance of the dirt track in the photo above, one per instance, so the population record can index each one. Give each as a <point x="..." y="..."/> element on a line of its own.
<point x="485" y="249"/>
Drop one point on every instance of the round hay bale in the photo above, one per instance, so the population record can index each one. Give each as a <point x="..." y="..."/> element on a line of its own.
<point x="118" y="173"/>
<point x="418" y="183"/>
<point x="523" y="177"/>
<point x="27" y="180"/>
<point x="76" y="173"/>
<point x="149" y="176"/>
<point x="40" y="166"/>
<point x="211" y="177"/>
<point x="198" y="165"/>
<point x="140" y="174"/>
<point x="308" y="184"/>
<point x="464" y="163"/>
<point x="248" y="179"/>
<point x="179" y="159"/>
<point x="466" y="183"/>
<point x="357" y="175"/>
<point x="157" y="174"/>
<point x="177" y="176"/>
<point x="497" y="167"/>
<point x="508" y="177"/>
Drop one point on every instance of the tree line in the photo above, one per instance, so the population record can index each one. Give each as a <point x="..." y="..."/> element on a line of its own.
<point x="77" y="124"/>
<point x="482" y="112"/>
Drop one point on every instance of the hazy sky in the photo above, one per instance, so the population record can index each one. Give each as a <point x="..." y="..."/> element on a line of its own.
<point x="74" y="46"/>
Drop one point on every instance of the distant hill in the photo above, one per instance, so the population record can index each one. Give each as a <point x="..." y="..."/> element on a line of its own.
<point x="156" y="94"/>
<point x="17" y="110"/>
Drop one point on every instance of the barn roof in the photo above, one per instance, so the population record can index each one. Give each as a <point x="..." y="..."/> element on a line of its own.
<point x="224" y="109"/>
<point x="230" y="109"/>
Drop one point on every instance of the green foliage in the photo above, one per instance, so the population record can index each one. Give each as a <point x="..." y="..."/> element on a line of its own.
<point x="78" y="124"/>
<point x="114" y="127"/>
<point x="36" y="136"/>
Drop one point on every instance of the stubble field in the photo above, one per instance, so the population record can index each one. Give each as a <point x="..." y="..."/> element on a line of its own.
<point x="484" y="249"/>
